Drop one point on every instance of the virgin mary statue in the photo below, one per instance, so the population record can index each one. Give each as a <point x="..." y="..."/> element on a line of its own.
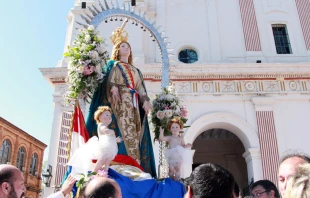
<point x="123" y="90"/>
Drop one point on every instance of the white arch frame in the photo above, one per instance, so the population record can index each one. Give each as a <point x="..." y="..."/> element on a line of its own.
<point x="243" y="130"/>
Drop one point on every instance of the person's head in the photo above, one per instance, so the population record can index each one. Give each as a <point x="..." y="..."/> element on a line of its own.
<point x="209" y="181"/>
<point x="298" y="186"/>
<point x="264" y="189"/>
<point x="175" y="125"/>
<point x="287" y="168"/>
<point x="11" y="182"/>
<point x="103" y="115"/>
<point x="236" y="192"/>
<point x="122" y="49"/>
<point x="102" y="187"/>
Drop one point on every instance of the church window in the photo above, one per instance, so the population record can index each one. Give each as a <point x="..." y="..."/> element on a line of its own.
<point x="281" y="39"/>
<point x="5" y="152"/>
<point x="188" y="56"/>
<point x="33" y="164"/>
<point x="21" y="155"/>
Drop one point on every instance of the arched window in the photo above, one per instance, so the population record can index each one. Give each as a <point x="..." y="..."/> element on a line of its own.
<point x="188" y="56"/>
<point x="5" y="152"/>
<point x="33" y="164"/>
<point x="20" y="162"/>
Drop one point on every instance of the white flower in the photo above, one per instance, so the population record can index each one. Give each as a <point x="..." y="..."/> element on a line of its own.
<point x="70" y="65"/>
<point x="101" y="49"/>
<point x="170" y="89"/>
<point x="81" y="68"/>
<point x="93" y="54"/>
<point x="87" y="38"/>
<point x="100" y="76"/>
<point x="83" y="47"/>
<point x="160" y="115"/>
<point x="177" y="110"/>
<point x="168" y="113"/>
<point x="98" y="69"/>
<point x="91" y="27"/>
<point x="169" y="97"/>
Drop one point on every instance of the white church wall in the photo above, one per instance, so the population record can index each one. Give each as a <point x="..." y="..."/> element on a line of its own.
<point x="231" y="31"/>
<point x="292" y="124"/>
<point x="188" y="24"/>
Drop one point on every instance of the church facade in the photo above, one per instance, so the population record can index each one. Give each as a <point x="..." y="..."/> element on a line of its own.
<point x="242" y="68"/>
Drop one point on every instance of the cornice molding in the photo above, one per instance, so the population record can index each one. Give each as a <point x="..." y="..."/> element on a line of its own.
<point x="200" y="72"/>
<point x="9" y="126"/>
<point x="263" y="103"/>
<point x="55" y="75"/>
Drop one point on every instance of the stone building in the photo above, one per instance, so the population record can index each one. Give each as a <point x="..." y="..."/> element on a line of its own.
<point x="25" y="152"/>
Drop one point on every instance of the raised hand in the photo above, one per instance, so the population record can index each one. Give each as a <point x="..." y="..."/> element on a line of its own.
<point x="68" y="184"/>
<point x="147" y="106"/>
<point x="119" y="139"/>
<point x="161" y="130"/>
<point x="188" y="145"/>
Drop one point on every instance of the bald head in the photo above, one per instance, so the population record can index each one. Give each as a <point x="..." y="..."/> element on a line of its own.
<point x="11" y="182"/>
<point x="7" y="173"/>
<point x="287" y="169"/>
<point x="101" y="187"/>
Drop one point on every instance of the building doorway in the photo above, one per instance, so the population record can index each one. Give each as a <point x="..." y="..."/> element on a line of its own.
<point x="222" y="147"/>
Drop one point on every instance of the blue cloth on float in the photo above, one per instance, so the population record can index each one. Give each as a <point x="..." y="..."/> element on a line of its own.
<point x="148" y="188"/>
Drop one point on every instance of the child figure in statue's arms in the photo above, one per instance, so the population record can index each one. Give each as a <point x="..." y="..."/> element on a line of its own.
<point x="176" y="152"/>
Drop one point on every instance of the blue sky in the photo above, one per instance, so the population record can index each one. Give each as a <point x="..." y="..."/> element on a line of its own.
<point x="32" y="36"/>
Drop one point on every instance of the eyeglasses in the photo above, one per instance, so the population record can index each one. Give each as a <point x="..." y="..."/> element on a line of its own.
<point x="258" y="194"/>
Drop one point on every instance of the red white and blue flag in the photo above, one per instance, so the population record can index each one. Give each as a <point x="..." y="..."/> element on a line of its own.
<point x="79" y="132"/>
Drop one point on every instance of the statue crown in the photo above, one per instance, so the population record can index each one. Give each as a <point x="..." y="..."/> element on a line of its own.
<point x="119" y="36"/>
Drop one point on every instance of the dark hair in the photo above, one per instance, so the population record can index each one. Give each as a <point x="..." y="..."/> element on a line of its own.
<point x="291" y="154"/>
<point x="7" y="175"/>
<point x="236" y="189"/>
<point x="210" y="181"/>
<point x="268" y="186"/>
<point x="104" y="190"/>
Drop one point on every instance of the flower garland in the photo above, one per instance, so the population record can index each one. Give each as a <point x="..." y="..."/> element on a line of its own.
<point x="86" y="57"/>
<point x="86" y="178"/>
<point x="166" y="106"/>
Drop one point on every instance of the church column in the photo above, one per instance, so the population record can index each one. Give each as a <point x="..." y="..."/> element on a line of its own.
<point x="254" y="164"/>
<point x="187" y="168"/>
<point x="54" y="140"/>
<point x="267" y="137"/>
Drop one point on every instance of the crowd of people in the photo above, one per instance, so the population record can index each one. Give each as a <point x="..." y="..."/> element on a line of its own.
<point x="206" y="181"/>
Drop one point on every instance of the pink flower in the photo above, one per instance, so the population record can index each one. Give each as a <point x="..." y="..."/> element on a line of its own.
<point x="184" y="111"/>
<point x="160" y="115"/>
<point x="102" y="173"/>
<point x="88" y="70"/>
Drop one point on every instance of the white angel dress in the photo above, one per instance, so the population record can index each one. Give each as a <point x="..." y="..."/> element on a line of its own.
<point x="178" y="155"/>
<point x="85" y="157"/>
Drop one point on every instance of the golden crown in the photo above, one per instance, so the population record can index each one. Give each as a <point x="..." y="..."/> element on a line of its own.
<point x="119" y="36"/>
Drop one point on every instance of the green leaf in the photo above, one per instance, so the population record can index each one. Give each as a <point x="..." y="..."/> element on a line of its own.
<point x="67" y="54"/>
